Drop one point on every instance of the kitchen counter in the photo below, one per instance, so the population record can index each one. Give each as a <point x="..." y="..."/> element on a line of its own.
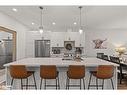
<point x="34" y="64"/>
<point x="90" y="62"/>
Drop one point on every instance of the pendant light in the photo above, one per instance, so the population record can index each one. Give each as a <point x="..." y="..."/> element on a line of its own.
<point x="80" y="27"/>
<point x="41" y="27"/>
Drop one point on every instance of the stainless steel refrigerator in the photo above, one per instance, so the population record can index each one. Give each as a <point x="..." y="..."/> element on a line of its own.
<point x="6" y="49"/>
<point x="42" y="48"/>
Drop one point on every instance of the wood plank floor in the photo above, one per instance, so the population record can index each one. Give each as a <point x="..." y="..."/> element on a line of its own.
<point x="123" y="86"/>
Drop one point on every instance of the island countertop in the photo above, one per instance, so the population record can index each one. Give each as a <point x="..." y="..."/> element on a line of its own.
<point x="36" y="62"/>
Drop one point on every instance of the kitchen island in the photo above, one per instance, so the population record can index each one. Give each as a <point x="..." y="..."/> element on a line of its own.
<point x="62" y="65"/>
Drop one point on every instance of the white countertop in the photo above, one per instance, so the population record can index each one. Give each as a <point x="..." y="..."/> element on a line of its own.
<point x="36" y="62"/>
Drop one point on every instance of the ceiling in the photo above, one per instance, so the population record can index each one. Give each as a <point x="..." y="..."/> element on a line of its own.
<point x="65" y="16"/>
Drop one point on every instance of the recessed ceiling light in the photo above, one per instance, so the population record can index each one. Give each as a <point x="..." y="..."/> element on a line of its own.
<point x="75" y="23"/>
<point x="14" y="9"/>
<point x="32" y="23"/>
<point x="53" y="23"/>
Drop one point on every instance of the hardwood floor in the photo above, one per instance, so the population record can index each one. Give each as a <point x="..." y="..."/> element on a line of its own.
<point x="123" y="86"/>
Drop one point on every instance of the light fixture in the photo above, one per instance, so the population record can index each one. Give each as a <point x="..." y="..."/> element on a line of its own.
<point x="41" y="27"/>
<point x="75" y="23"/>
<point x="14" y="9"/>
<point x="80" y="27"/>
<point x="120" y="50"/>
<point x="32" y="23"/>
<point x="54" y="23"/>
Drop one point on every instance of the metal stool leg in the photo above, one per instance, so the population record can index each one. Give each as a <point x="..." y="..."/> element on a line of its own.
<point x="97" y="83"/>
<point x="21" y="84"/>
<point x="80" y="84"/>
<point x="89" y="81"/>
<point x="56" y="83"/>
<point x="83" y="83"/>
<point x="12" y="81"/>
<point x="45" y="84"/>
<point x="34" y="81"/>
<point x="102" y="83"/>
<point x="41" y="83"/>
<point x="112" y="83"/>
<point x="67" y="83"/>
<point x="26" y="83"/>
<point x="120" y="74"/>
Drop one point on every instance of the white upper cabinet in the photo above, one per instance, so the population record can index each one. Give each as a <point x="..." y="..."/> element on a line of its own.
<point x="57" y="39"/>
<point x="75" y="36"/>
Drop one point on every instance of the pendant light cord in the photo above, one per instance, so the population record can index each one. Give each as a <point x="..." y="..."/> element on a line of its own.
<point x="80" y="15"/>
<point x="41" y="15"/>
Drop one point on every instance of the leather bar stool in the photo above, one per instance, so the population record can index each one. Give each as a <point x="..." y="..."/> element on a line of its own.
<point x="75" y="72"/>
<point x="20" y="72"/>
<point x="103" y="72"/>
<point x="49" y="72"/>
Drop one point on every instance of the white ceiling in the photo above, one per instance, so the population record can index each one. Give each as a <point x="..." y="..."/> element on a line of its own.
<point x="65" y="16"/>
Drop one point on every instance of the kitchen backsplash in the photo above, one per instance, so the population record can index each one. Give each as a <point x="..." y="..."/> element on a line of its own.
<point x="61" y="50"/>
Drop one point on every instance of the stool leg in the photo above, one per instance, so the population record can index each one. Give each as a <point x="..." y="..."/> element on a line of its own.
<point x="89" y="81"/>
<point x="12" y="81"/>
<point x="56" y="83"/>
<point x="102" y="83"/>
<point x="97" y="83"/>
<point x="67" y="83"/>
<point x="112" y="83"/>
<point x="26" y="83"/>
<point x="34" y="81"/>
<point x="21" y="84"/>
<point x="83" y="83"/>
<point x="80" y="84"/>
<point x="45" y="84"/>
<point x="41" y="83"/>
<point x="120" y="74"/>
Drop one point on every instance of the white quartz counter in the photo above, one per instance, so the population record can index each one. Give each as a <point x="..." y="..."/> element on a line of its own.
<point x="35" y="62"/>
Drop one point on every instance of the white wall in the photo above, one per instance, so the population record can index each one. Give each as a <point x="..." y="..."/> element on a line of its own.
<point x="115" y="38"/>
<point x="12" y="24"/>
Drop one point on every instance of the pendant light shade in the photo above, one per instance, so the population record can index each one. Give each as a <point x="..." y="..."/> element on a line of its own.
<point x="41" y="27"/>
<point x="80" y="27"/>
<point x="41" y="30"/>
<point x="80" y="31"/>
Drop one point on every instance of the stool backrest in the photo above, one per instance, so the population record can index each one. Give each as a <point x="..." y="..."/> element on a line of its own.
<point x="76" y="71"/>
<point x="115" y="59"/>
<point x="48" y="71"/>
<point x="105" y="71"/>
<point x="18" y="71"/>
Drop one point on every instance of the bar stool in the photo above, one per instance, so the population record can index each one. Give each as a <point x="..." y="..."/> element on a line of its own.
<point x="20" y="72"/>
<point x="103" y="72"/>
<point x="75" y="72"/>
<point x="49" y="72"/>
